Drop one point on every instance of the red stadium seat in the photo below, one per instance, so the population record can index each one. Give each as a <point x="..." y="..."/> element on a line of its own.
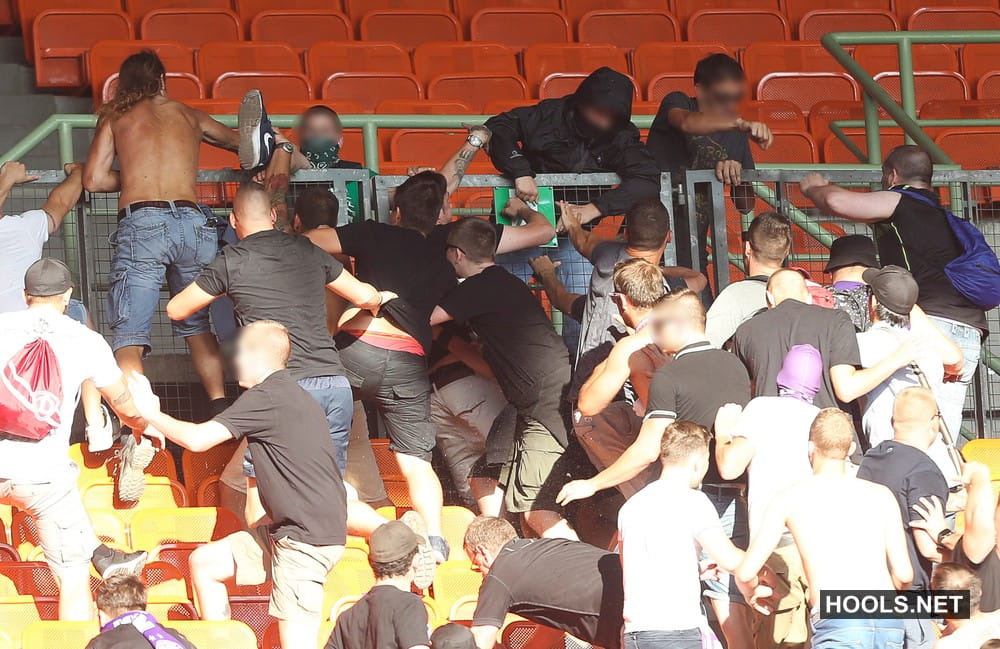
<point x="954" y="18"/>
<point x="219" y="57"/>
<point x="369" y="88"/>
<point x="466" y="9"/>
<point x="645" y="107"/>
<point x="280" y="85"/>
<point x="286" y="107"/>
<point x="477" y="88"/>
<point x="503" y="105"/>
<point x="815" y="24"/>
<point x="788" y="146"/>
<point x="988" y="86"/>
<point x="952" y="109"/>
<point x="543" y="59"/>
<point x="249" y="9"/>
<point x="576" y="9"/>
<point x="684" y="9"/>
<point x="652" y="59"/>
<point x="971" y="147"/>
<point x="62" y="38"/>
<point x="776" y="113"/>
<point x="663" y="84"/>
<point x="300" y="28"/>
<point x="831" y="111"/>
<point x="191" y="27"/>
<point x="905" y="8"/>
<point x="434" y="59"/>
<point x="423" y="107"/>
<point x="978" y="59"/>
<point x="213" y="107"/>
<point x="28" y="10"/>
<point x="356" y="9"/>
<point x="410" y="28"/>
<point x="7" y="18"/>
<point x="926" y="57"/>
<point x="560" y="84"/>
<point x="927" y="85"/>
<point x="834" y="151"/>
<point x="533" y="26"/>
<point x="805" y="89"/>
<point x="797" y="9"/>
<point x="139" y="8"/>
<point x="738" y="27"/>
<point x="628" y="29"/>
<point x="324" y="59"/>
<point x="180" y="85"/>
<point x="763" y="58"/>
<point x="431" y="146"/>
<point x="105" y="57"/>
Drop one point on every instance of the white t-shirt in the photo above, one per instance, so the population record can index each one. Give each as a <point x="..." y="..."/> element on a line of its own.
<point x="778" y="427"/>
<point x="659" y="528"/>
<point x="21" y="239"/>
<point x="82" y="354"/>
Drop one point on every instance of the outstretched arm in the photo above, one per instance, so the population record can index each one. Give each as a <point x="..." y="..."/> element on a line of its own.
<point x="14" y="173"/>
<point x="189" y="301"/>
<point x="454" y="169"/>
<point x="865" y="207"/>
<point x="572" y="218"/>
<point x="98" y="176"/>
<point x="65" y="196"/>
<point x="545" y="271"/>
<point x="216" y="133"/>
<point x="275" y="181"/>
<point x="120" y="399"/>
<point x="194" y="437"/>
<point x="535" y="231"/>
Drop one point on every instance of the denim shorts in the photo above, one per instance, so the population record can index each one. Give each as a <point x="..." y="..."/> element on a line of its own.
<point x="77" y="311"/>
<point x="152" y="244"/>
<point x="857" y="634"/>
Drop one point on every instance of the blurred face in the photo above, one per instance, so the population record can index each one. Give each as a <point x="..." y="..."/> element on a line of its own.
<point x="601" y="119"/>
<point x="320" y="127"/>
<point x="252" y="362"/>
<point x="669" y="329"/>
<point x="722" y="97"/>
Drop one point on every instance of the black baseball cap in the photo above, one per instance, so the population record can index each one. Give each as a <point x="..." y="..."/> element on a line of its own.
<point x="392" y="541"/>
<point x="452" y="636"/>
<point x="852" y="250"/>
<point x="893" y="287"/>
<point x="47" y="277"/>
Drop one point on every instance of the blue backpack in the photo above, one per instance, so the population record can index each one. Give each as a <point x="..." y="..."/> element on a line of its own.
<point x="976" y="272"/>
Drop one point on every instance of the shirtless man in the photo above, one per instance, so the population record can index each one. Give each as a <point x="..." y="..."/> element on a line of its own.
<point x="848" y="532"/>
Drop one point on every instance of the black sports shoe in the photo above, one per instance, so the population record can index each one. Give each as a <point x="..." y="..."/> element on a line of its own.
<point x="110" y="562"/>
<point x="136" y="456"/>
<point x="256" y="134"/>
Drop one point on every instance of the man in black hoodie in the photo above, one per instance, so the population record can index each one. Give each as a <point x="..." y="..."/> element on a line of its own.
<point x="589" y="131"/>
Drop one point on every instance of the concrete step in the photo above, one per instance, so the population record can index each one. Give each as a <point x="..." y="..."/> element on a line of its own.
<point x="16" y="79"/>
<point x="12" y="49"/>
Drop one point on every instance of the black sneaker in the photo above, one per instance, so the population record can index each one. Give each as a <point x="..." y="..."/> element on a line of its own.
<point x="120" y="563"/>
<point x="256" y="134"/>
<point x="136" y="456"/>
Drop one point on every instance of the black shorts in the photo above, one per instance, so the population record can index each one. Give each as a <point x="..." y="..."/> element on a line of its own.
<point x="396" y="384"/>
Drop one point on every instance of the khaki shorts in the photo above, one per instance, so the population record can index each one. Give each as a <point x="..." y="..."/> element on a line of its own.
<point x="788" y="626"/>
<point x="298" y="570"/>
<point x="535" y="472"/>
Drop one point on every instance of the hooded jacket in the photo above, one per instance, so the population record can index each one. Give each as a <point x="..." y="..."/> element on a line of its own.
<point x="551" y="137"/>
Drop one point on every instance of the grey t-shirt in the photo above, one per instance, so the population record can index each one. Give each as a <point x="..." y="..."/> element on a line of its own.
<point x="736" y="304"/>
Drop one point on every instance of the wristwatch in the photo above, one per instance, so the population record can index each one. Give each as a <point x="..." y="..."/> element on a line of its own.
<point x="942" y="535"/>
<point x="288" y="147"/>
<point x="476" y="141"/>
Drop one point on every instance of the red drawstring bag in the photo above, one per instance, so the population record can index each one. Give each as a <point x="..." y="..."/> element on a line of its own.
<point x="31" y="392"/>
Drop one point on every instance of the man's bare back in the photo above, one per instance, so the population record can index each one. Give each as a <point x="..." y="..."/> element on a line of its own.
<point x="157" y="143"/>
<point x="847" y="530"/>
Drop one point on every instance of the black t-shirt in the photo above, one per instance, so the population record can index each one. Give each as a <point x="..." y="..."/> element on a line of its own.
<point x="404" y="261"/>
<point x="910" y="475"/>
<point x="675" y="151"/>
<point x="300" y="484"/>
<point x="700" y="380"/>
<point x="385" y="618"/>
<point x="988" y="572"/>
<point x="271" y="275"/>
<point x="763" y="341"/>
<point x="929" y="244"/>
<point x="519" y="343"/>
<point x="567" y="585"/>
<point x="126" y="636"/>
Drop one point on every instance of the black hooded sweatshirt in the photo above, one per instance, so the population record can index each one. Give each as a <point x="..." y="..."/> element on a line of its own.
<point x="551" y="137"/>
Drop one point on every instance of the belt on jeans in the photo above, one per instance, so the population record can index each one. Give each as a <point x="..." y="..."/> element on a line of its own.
<point x="141" y="205"/>
<point x="447" y="374"/>
<point x="724" y="489"/>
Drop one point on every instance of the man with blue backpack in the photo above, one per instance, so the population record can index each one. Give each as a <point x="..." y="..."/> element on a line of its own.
<point x="957" y="273"/>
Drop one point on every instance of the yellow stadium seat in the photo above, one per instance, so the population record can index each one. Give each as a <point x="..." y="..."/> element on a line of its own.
<point x="228" y="634"/>
<point x="455" y="521"/>
<point x="5" y="641"/>
<point x="153" y="527"/>
<point x="45" y="634"/>
<point x="342" y="605"/>
<point x="348" y="578"/>
<point x="105" y="464"/>
<point x="198" y="466"/>
<point x="454" y="580"/>
<point x="159" y="493"/>
<point x="463" y="608"/>
<point x="17" y="612"/>
<point x="986" y="451"/>
<point x="435" y="617"/>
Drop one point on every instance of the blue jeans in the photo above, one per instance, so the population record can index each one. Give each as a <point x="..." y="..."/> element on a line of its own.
<point x="951" y="396"/>
<point x="77" y="311"/>
<point x="684" y="639"/>
<point x="857" y="634"/>
<point x="334" y="395"/>
<point x="574" y="272"/>
<point x="150" y="245"/>
<point x="732" y="510"/>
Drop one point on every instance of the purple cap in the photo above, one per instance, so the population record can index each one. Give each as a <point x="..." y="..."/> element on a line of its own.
<point x="801" y="373"/>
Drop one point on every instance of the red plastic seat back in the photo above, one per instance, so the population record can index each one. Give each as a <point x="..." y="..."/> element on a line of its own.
<point x="835" y="152"/>
<point x="628" y="29"/>
<point x="356" y="9"/>
<point x="139" y="8"/>
<point x="250" y="9"/>
<point x="831" y="111"/>
<point x="477" y="89"/>
<point x="988" y="86"/>
<point x="885" y="58"/>
<point x="808" y="88"/>
<point x="954" y="18"/>
<point x="534" y="25"/>
<point x="972" y="147"/>
<point x="423" y="107"/>
<point x="652" y="59"/>
<point x="280" y="85"/>
<point x="776" y="113"/>
<point x="219" y="57"/>
<point x="684" y="9"/>
<point x="324" y="59"/>
<point x="738" y="27"/>
<point x="927" y="85"/>
<point x="762" y="58"/>
<point x="300" y="28"/>
<point x="788" y="146"/>
<point x="411" y="27"/>
<point x="28" y="10"/>
<point x="577" y="9"/>
<point x="191" y="27"/>
<point x="368" y="89"/>
<point x="978" y="59"/>
<point x="466" y="9"/>
<point x="815" y="24"/>
<point x="906" y="8"/>
<point x="796" y="9"/>
<point x="433" y="59"/>
<point x="562" y="84"/>
<point x="105" y="58"/>
<point x="180" y="85"/>
<point x="961" y="109"/>
<point x="543" y="59"/>
<point x="62" y="38"/>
